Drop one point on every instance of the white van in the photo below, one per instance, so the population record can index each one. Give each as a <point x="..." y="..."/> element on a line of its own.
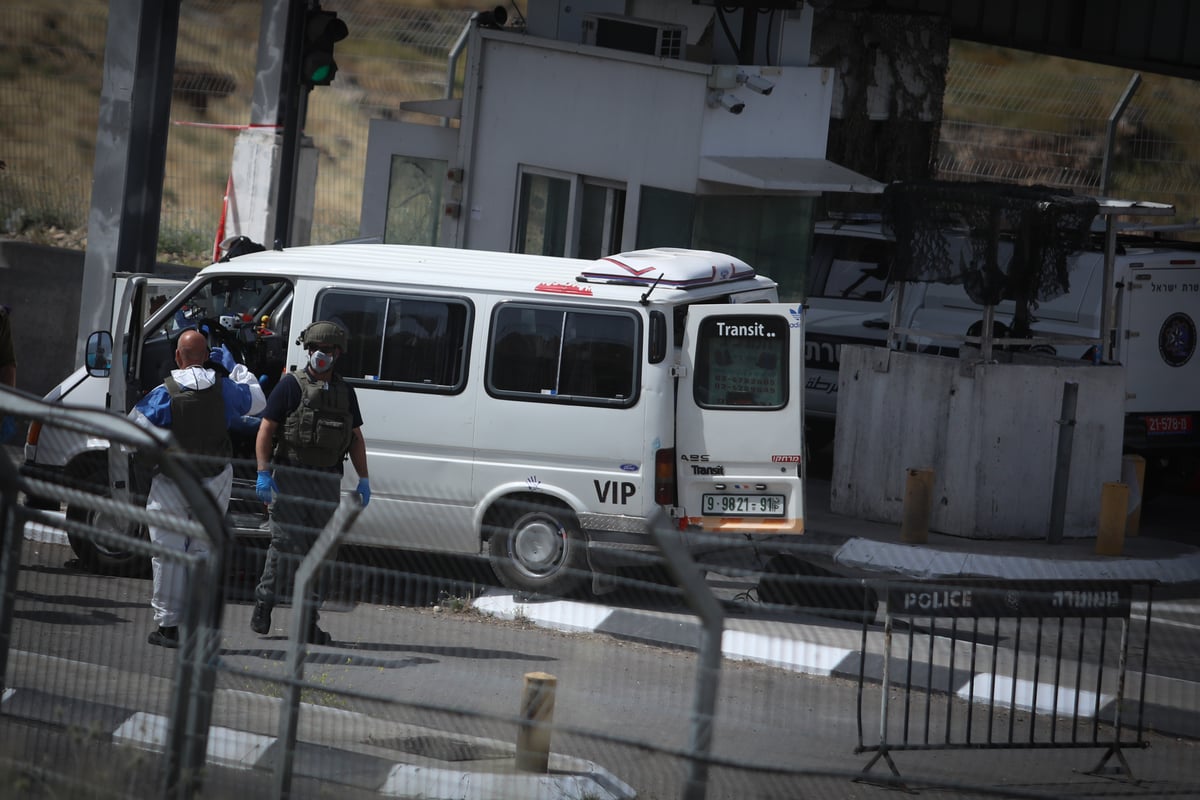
<point x="538" y="409"/>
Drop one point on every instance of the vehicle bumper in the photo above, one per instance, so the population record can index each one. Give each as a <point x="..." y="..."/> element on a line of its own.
<point x="45" y="474"/>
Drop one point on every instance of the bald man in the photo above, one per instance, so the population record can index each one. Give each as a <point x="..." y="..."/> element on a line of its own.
<point x="198" y="405"/>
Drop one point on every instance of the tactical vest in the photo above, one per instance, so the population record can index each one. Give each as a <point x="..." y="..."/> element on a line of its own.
<point x="318" y="432"/>
<point x="199" y="426"/>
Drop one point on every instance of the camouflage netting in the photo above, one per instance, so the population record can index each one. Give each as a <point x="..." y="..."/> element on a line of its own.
<point x="1019" y="238"/>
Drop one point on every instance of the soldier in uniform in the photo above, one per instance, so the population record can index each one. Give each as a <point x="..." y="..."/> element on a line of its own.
<point x="311" y="423"/>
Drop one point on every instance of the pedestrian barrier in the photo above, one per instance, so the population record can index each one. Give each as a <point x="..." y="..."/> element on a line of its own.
<point x="989" y="665"/>
<point x="420" y="693"/>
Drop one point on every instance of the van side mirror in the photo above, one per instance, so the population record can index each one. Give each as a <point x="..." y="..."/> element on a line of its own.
<point x="98" y="356"/>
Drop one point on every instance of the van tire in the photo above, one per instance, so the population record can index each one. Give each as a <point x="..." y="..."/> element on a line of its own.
<point x="95" y="556"/>
<point x="538" y="548"/>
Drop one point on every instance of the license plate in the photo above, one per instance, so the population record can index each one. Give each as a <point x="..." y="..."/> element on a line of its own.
<point x="743" y="505"/>
<point x="1169" y="424"/>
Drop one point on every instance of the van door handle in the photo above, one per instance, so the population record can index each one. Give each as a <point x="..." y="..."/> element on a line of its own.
<point x="875" y="323"/>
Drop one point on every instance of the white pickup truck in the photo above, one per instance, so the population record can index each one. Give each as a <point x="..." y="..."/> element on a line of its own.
<point x="1157" y="306"/>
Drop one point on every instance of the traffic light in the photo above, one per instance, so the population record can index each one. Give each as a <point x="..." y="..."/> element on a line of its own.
<point x="322" y="29"/>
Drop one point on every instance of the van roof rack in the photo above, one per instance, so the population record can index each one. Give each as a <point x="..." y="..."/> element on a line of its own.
<point x="669" y="267"/>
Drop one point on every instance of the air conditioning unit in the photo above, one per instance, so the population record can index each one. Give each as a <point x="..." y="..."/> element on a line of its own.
<point x="662" y="39"/>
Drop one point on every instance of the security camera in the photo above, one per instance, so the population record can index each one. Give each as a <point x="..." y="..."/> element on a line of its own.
<point x="756" y="82"/>
<point x="732" y="104"/>
<point x="729" y="102"/>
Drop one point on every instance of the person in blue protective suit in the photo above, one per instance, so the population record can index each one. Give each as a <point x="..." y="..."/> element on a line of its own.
<point x="310" y="425"/>
<point x="198" y="405"/>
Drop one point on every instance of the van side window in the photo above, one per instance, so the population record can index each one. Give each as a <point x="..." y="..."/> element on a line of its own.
<point x="561" y="354"/>
<point x="400" y="341"/>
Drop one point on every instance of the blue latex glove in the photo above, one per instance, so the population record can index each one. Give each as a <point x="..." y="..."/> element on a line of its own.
<point x="221" y="355"/>
<point x="364" y="490"/>
<point x="265" y="487"/>
<point x="8" y="430"/>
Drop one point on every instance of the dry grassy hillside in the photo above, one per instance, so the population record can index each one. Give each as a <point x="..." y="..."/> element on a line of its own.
<point x="51" y="59"/>
<point x="1008" y="115"/>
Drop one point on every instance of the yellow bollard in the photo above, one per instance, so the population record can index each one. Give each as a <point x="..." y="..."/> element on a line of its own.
<point x="1133" y="474"/>
<point x="918" y="505"/>
<point x="1114" y="507"/>
<point x="537" y="713"/>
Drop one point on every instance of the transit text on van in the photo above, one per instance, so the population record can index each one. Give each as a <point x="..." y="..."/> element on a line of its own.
<point x="748" y="329"/>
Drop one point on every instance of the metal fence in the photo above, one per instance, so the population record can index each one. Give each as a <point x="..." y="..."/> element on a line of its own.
<point x="1044" y="123"/>
<point x="1022" y="118"/>
<point x="440" y="684"/>
<point x="51" y="55"/>
<point x="972" y="656"/>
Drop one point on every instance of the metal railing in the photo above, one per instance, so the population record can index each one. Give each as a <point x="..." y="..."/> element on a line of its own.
<point x="962" y="661"/>
<point x="418" y="693"/>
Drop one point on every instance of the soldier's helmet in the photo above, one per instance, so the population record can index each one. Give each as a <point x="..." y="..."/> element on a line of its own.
<point x="324" y="332"/>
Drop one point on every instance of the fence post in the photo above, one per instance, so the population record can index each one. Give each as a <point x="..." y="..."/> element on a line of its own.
<point x="1133" y="474"/>
<point x="1062" y="462"/>
<point x="11" y="534"/>
<point x="537" y="713"/>
<point x="347" y="511"/>
<point x="918" y="505"/>
<point x="708" y="664"/>
<point x="187" y="739"/>
<point x="1114" y="508"/>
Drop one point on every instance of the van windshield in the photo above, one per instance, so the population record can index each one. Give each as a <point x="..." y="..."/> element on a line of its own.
<point x="249" y="315"/>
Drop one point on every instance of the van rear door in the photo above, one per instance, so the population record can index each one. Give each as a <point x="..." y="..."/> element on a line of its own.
<point x="740" y="419"/>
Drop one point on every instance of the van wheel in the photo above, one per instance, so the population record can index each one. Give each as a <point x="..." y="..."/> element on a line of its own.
<point x="104" y="557"/>
<point x="538" y="548"/>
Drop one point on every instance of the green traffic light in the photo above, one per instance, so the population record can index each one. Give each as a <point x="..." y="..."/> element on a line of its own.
<point x="321" y="31"/>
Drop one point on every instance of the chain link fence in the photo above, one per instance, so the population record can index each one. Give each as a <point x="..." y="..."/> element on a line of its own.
<point x="1008" y="116"/>
<point x="439" y="684"/>
<point x="51" y="58"/>
<point x="1021" y="118"/>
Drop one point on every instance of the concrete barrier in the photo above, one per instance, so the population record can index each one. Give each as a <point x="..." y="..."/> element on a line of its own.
<point x="986" y="429"/>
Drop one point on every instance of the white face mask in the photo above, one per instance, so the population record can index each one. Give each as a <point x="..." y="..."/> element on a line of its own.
<point x="320" y="362"/>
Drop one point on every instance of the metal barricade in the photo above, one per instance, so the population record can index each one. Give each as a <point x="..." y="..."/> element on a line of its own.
<point x="187" y="704"/>
<point x="975" y="657"/>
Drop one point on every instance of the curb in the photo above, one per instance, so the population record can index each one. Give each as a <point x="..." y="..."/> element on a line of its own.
<point x="1172" y="705"/>
<point x="923" y="562"/>
<point x="568" y="778"/>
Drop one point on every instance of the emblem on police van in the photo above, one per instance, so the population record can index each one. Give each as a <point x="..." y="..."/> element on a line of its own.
<point x="1177" y="339"/>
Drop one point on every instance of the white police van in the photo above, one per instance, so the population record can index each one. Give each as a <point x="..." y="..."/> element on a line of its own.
<point x="1157" y="308"/>
<point x="541" y="410"/>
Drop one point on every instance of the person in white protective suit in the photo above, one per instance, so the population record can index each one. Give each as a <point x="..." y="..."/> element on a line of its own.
<point x="198" y="405"/>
